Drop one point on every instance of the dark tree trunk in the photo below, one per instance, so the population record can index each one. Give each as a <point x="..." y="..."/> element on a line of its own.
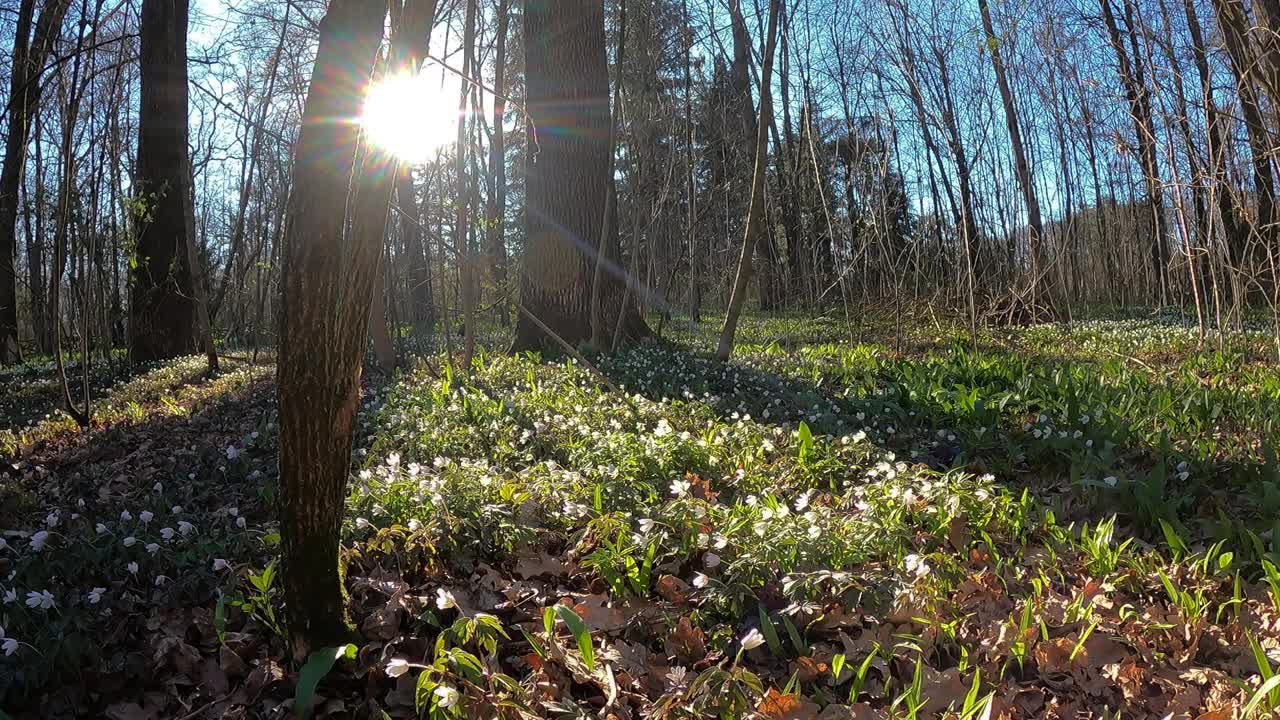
<point x="162" y="307"/>
<point x="497" y="210"/>
<point x="29" y="55"/>
<point x="328" y="280"/>
<point x="567" y="91"/>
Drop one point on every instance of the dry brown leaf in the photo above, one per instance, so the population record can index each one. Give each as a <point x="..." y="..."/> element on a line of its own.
<point x="531" y="566"/>
<point x="673" y="589"/>
<point x="857" y="711"/>
<point x="942" y="689"/>
<point x="776" y="706"/>
<point x="808" y="669"/>
<point x="131" y="711"/>
<point x="687" y="642"/>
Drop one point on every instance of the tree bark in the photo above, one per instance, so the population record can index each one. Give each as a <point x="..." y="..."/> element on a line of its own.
<point x="1234" y="22"/>
<point x="328" y="280"/>
<point x="1035" y="228"/>
<point x="755" y="214"/>
<point x="567" y="100"/>
<point x="162" y="308"/>
<point x="1135" y="89"/>
<point x="497" y="210"/>
<point x="29" y="55"/>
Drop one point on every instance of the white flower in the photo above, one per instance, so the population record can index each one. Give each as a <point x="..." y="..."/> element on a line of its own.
<point x="158" y="488"/>
<point x="9" y="645"/>
<point x="125" y="516"/>
<point x="917" y="566"/>
<point x="38" y="540"/>
<point x="393" y="459"/>
<point x="802" y="502"/>
<point x="445" y="599"/>
<point x="679" y="488"/>
<point x="646" y="525"/>
<point x="362" y="523"/>
<point x="1110" y="480"/>
<point x="132" y="567"/>
<point x="95" y="595"/>
<point x="397" y="667"/>
<point x="153" y="548"/>
<point x="176" y="510"/>
<point x="241" y="523"/>
<point x="711" y="560"/>
<point x="3" y="544"/>
<point x="101" y="528"/>
<point x="10" y="597"/>
<point x="752" y="640"/>
<point x="161" y="580"/>
<point x="185" y="527"/>
<point x="232" y="452"/>
<point x="145" y="516"/>
<point x="700" y="580"/>
<point x="233" y="511"/>
<point x="167" y="533"/>
<point x="814" y="532"/>
<point x="220" y="564"/>
<point x="676" y="675"/>
<point x="52" y="519"/>
<point x="42" y="599"/>
<point x="414" y="525"/>
<point x="447" y="694"/>
<point x="130" y="541"/>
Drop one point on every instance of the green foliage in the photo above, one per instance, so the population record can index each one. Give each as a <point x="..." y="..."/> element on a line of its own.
<point x="318" y="664"/>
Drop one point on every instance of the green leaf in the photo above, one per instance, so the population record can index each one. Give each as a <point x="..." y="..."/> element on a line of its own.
<point x="837" y="666"/>
<point x="770" y="633"/>
<point x="424" y="692"/>
<point x="806" y="442"/>
<point x="318" y="664"/>
<point x="1267" y="687"/>
<point x="219" y="620"/>
<point x="580" y="633"/>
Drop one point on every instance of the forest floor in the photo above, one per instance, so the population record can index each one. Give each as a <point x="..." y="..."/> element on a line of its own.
<point x="1056" y="523"/>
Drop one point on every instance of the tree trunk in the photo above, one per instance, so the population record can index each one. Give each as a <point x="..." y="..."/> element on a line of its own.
<point x="162" y="308"/>
<point x="755" y="214"/>
<point x="497" y="211"/>
<point x="567" y="91"/>
<point x="1035" y="228"/>
<point x="328" y="280"/>
<point x="29" y="56"/>
<point x="1235" y="24"/>
<point x="1135" y="89"/>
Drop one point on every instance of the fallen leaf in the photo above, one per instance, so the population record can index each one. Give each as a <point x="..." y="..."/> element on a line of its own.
<point x="776" y="706"/>
<point x="673" y="589"/>
<point x="687" y="642"/>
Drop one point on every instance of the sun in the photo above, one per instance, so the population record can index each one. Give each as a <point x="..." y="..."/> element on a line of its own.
<point x="409" y="116"/>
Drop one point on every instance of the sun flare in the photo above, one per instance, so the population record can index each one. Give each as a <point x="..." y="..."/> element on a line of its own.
<point x="409" y="116"/>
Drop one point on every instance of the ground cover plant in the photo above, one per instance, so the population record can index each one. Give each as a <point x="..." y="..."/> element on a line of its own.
<point x="1048" y="521"/>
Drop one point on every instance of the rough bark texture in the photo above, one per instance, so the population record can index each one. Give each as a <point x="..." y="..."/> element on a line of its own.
<point x="567" y="89"/>
<point x="328" y="280"/>
<point x="162" y="302"/>
<point x="755" y="214"/>
<point x="29" y="55"/>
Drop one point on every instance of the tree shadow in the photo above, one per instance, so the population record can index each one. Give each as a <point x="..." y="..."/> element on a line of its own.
<point x="974" y="417"/>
